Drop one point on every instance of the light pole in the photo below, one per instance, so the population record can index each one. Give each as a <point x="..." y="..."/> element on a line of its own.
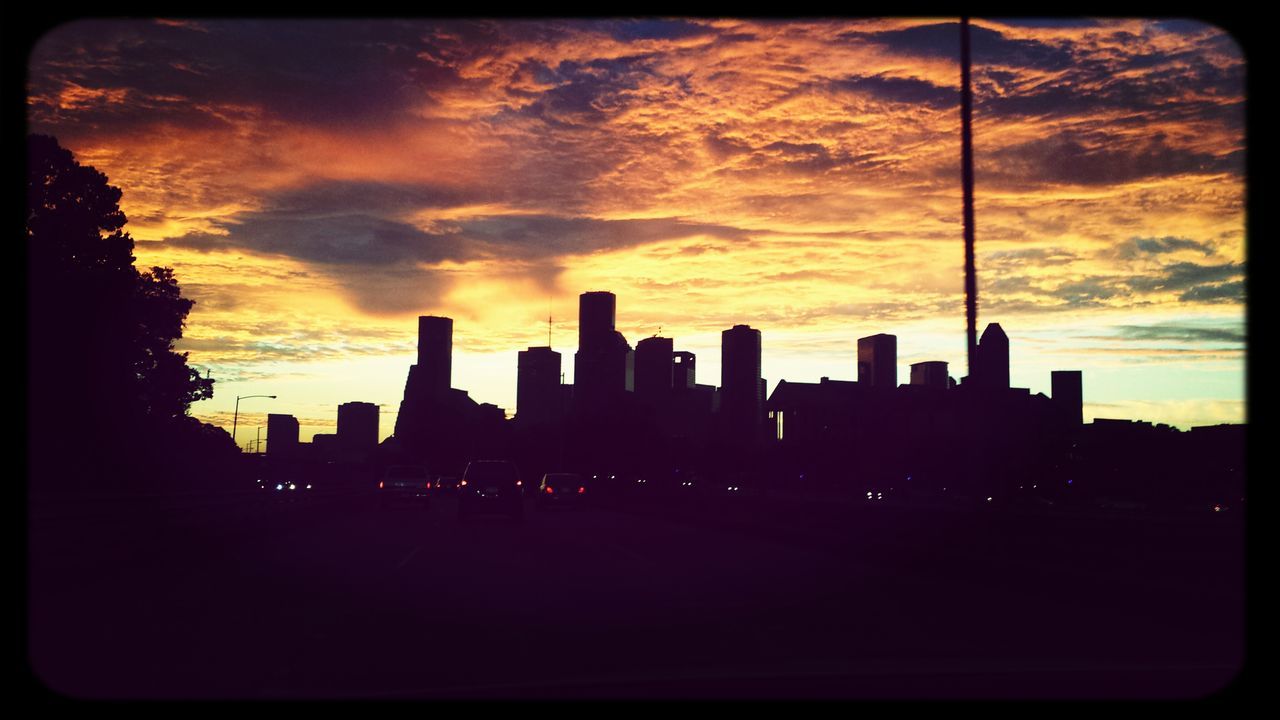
<point x="236" y="417"/>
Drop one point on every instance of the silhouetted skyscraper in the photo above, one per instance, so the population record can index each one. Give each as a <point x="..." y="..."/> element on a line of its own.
<point x="282" y="434"/>
<point x="654" y="368"/>
<point x="538" y="395"/>
<point x="932" y="373"/>
<point x="1068" y="393"/>
<point x="435" y="353"/>
<point x="878" y="361"/>
<point x="683" y="370"/>
<point x="604" y="366"/>
<point x="993" y="358"/>
<point x="741" y="395"/>
<point x="358" y="426"/>
<point x="596" y="315"/>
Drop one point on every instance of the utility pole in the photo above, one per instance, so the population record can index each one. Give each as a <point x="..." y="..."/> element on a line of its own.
<point x="966" y="172"/>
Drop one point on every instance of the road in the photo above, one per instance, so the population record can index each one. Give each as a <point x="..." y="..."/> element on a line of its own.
<point x="336" y="597"/>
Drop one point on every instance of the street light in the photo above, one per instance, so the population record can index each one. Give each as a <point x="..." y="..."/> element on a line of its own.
<point x="236" y="417"/>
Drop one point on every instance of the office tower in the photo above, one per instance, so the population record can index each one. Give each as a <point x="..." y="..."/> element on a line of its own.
<point x="654" y="368"/>
<point x="435" y="351"/>
<point x="878" y="361"/>
<point x="538" y="395"/>
<point x="741" y="396"/>
<point x="604" y="366"/>
<point x="282" y="434"/>
<point x="993" y="358"/>
<point x="683" y="370"/>
<point x="932" y="373"/>
<point x="596" y="315"/>
<point x="1067" y="389"/>
<point x="358" y="426"/>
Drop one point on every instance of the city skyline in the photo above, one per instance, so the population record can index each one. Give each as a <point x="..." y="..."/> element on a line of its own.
<point x="800" y="178"/>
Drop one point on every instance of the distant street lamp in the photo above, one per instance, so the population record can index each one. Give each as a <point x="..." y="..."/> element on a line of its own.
<point x="236" y="417"/>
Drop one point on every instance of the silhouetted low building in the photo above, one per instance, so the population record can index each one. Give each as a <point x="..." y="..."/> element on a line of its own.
<point x="358" y="427"/>
<point x="930" y="374"/>
<point x="282" y="435"/>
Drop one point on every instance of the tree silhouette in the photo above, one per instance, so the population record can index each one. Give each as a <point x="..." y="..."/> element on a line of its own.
<point x="104" y="376"/>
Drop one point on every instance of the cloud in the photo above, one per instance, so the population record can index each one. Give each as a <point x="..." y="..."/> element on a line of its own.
<point x="905" y="90"/>
<point x="1141" y="246"/>
<point x="1095" y="159"/>
<point x="1224" y="292"/>
<point x="319" y="71"/>
<point x="349" y="231"/>
<point x="1183" y="333"/>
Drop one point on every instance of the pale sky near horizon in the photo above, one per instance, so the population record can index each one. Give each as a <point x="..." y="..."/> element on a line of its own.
<point x="317" y="185"/>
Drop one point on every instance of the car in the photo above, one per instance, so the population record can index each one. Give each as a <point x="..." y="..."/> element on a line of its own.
<point x="405" y="483"/>
<point x="562" y="490"/>
<point x="491" y="486"/>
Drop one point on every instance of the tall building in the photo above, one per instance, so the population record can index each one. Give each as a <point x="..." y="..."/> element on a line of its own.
<point x="358" y="426"/>
<point x="993" y="358"/>
<point x="683" y="370"/>
<point x="654" y="368"/>
<point x="435" y="353"/>
<point x="932" y="374"/>
<point x="604" y="366"/>
<point x="878" y="361"/>
<point x="539" y="398"/>
<point x="596" y="315"/>
<point x="1067" y="389"/>
<point x="741" y="392"/>
<point x="282" y="435"/>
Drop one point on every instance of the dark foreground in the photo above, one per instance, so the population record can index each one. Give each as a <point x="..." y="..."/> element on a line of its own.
<point x="236" y="596"/>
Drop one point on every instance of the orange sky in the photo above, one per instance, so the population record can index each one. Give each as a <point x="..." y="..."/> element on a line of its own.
<point x="316" y="185"/>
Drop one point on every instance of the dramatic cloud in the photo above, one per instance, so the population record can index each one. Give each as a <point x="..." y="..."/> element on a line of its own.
<point x="316" y="179"/>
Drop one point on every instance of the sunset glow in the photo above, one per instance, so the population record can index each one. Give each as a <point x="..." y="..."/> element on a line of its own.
<point x="317" y="185"/>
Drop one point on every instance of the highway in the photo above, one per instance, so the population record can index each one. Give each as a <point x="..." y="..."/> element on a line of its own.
<point x="332" y="596"/>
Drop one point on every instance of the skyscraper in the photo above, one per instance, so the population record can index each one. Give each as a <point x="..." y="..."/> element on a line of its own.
<point x="654" y="368"/>
<point x="282" y="435"/>
<point x="596" y="315"/>
<point x="683" y="370"/>
<point x="741" y="395"/>
<point x="878" y="361"/>
<point x="358" y="426"/>
<point x="538" y="395"/>
<point x="604" y="366"/>
<point x="435" y="352"/>
<point x="993" y="358"/>
<point x="1067" y="389"/>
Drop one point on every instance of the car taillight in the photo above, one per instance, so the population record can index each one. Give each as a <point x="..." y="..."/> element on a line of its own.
<point x="550" y="490"/>
<point x="581" y="490"/>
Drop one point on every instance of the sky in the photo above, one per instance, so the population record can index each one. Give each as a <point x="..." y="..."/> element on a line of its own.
<point x="317" y="185"/>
